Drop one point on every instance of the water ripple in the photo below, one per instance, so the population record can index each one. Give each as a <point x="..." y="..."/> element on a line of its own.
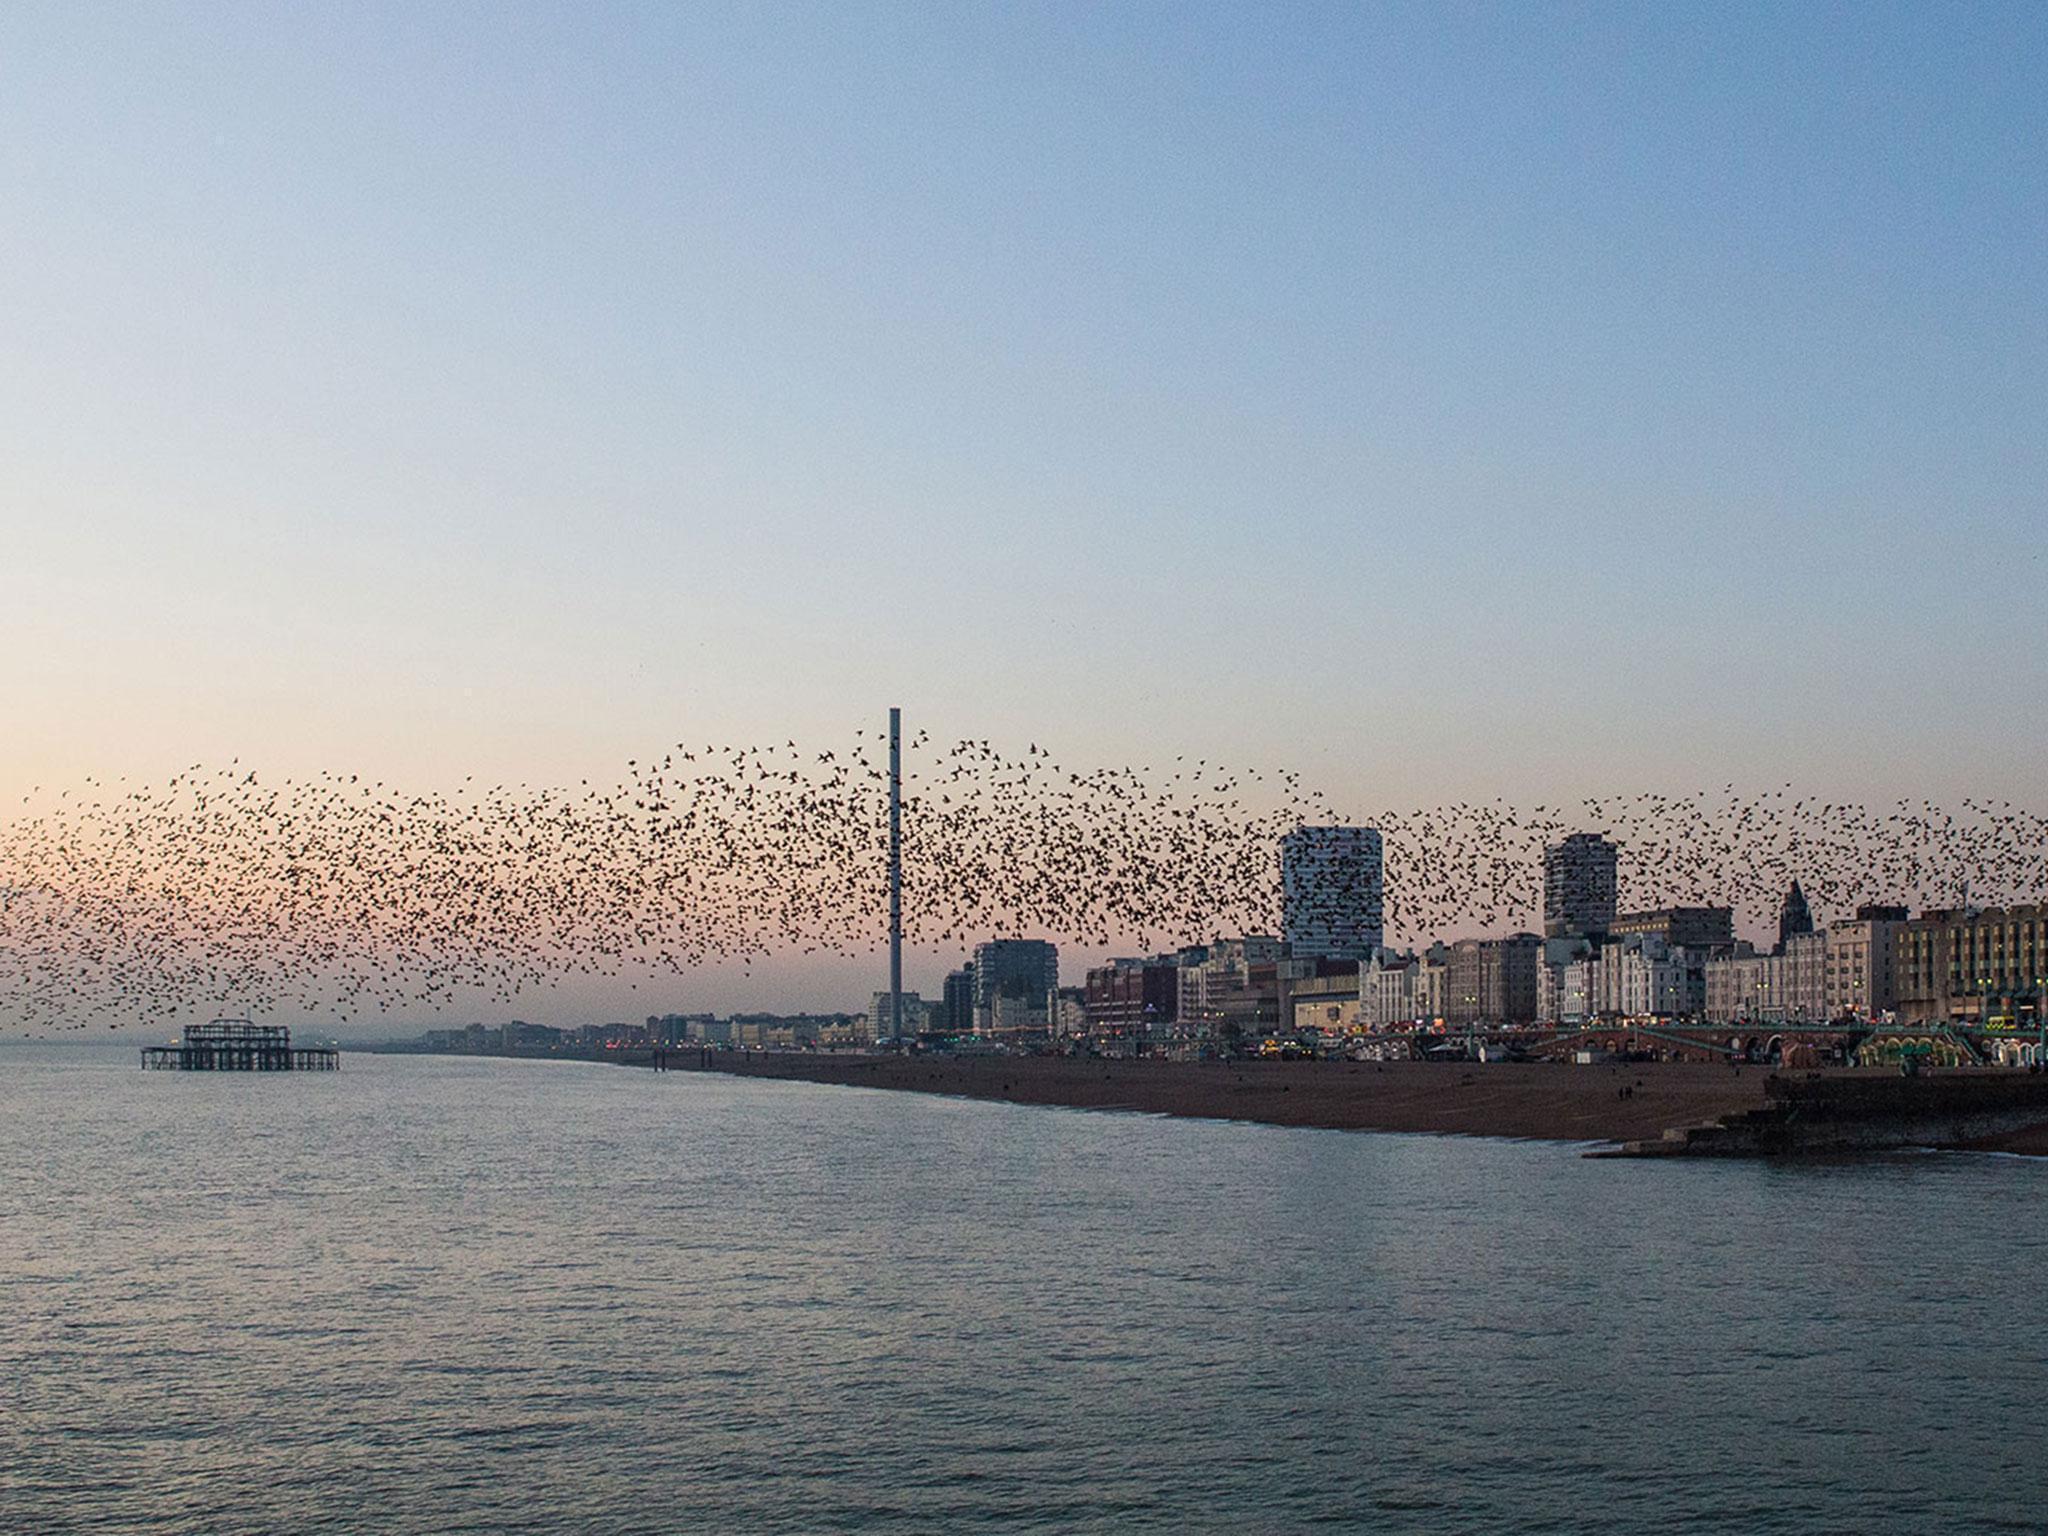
<point x="429" y="1296"/>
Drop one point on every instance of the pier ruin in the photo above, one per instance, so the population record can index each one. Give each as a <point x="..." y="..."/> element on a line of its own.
<point x="239" y="1045"/>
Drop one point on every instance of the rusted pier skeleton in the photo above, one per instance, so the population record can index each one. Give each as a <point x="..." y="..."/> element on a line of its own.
<point x="238" y="1045"/>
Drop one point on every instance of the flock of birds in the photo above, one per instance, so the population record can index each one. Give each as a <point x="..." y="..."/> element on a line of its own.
<point x="142" y="903"/>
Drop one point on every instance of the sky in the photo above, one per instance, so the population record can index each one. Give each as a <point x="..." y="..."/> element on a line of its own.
<point x="1441" y="400"/>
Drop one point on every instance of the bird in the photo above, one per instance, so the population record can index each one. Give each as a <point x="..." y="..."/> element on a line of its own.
<point x="347" y="892"/>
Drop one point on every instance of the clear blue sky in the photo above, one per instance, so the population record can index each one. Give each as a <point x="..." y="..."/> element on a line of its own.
<point x="1443" y="400"/>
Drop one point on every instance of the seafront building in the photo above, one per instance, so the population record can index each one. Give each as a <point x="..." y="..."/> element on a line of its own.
<point x="1069" y="1015"/>
<point x="1862" y="958"/>
<point x="1232" y="981"/>
<point x="1138" y="999"/>
<point x="1026" y="972"/>
<point x="1429" y="987"/>
<point x="1236" y="989"/>
<point x="1328" y="1004"/>
<point x="1788" y="986"/>
<point x="916" y="1017"/>
<point x="1568" y="980"/>
<point x="671" y="1028"/>
<point x="1463" y="984"/>
<point x="1644" y="977"/>
<point x="1988" y="967"/>
<point x="522" y="1036"/>
<point x="956" y="1010"/>
<point x="1641" y="975"/>
<point x="793" y="1031"/>
<point x="1980" y="968"/>
<point x="1569" y="989"/>
<point x="1016" y="1014"/>
<point x="1403" y="991"/>
<point x="1983" y="969"/>
<point x="1386" y="990"/>
<point x="1331" y="892"/>
<point x="1702" y="928"/>
<point x="1596" y="962"/>
<point x="1581" y="886"/>
<point x="1492" y="981"/>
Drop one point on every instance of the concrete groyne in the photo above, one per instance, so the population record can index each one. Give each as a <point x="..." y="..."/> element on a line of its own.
<point x="1832" y="1114"/>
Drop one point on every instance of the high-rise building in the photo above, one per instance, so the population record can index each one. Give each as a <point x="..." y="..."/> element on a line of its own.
<point x="1024" y="971"/>
<point x="1580" y="885"/>
<point x="1331" y="891"/>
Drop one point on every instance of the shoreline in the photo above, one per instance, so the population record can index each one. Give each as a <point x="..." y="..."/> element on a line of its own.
<point x="1535" y="1101"/>
<point x="1617" y="1104"/>
<point x="1610" y="1104"/>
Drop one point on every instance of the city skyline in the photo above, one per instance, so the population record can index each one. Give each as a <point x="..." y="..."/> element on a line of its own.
<point x="241" y="887"/>
<point x="1026" y="765"/>
<point x="1323" y="872"/>
<point x="1444" y="406"/>
<point x="1880" y="967"/>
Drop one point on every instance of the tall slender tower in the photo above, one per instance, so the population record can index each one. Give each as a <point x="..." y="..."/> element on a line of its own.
<point x="895" y="873"/>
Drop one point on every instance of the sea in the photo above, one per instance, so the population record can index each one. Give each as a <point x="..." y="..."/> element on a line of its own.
<point x="443" y="1295"/>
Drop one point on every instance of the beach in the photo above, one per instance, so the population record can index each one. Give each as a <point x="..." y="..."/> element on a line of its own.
<point x="1541" y="1100"/>
<point x="1550" y="1101"/>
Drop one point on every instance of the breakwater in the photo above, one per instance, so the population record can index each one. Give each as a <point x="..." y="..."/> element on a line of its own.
<point x="1826" y="1114"/>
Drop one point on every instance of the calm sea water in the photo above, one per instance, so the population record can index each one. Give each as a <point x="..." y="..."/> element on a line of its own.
<point x="431" y="1295"/>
